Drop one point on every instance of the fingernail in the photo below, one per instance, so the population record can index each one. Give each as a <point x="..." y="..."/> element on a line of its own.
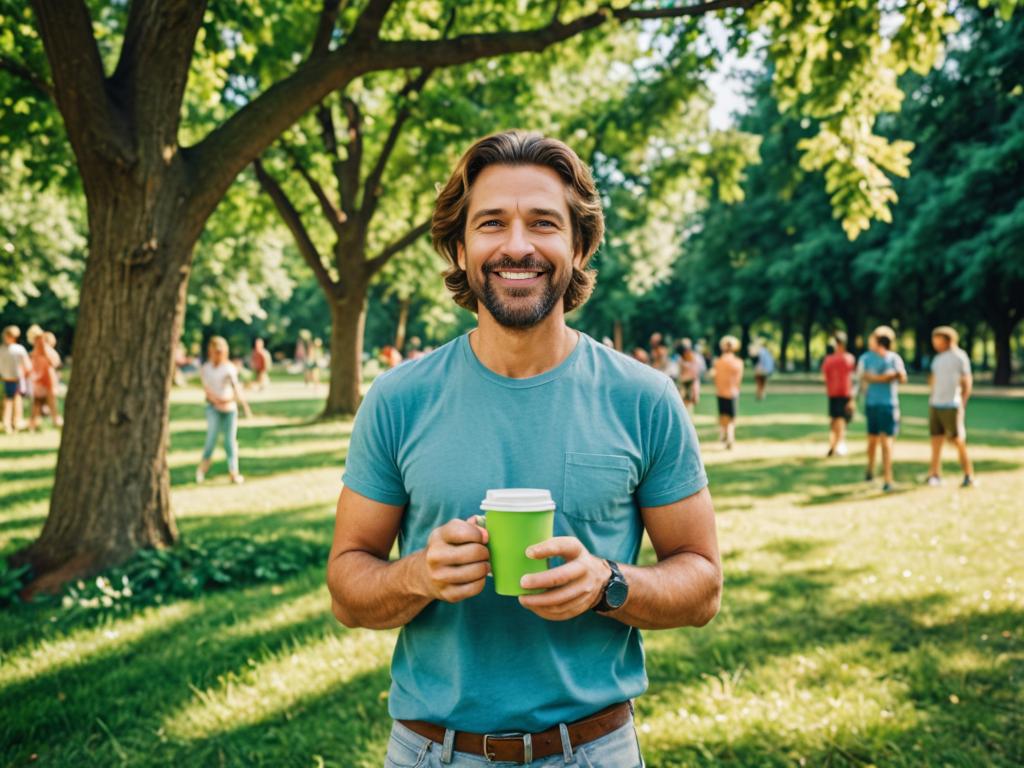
<point x="529" y="551"/>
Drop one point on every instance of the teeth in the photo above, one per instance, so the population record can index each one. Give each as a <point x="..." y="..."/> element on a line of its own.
<point x="518" y="275"/>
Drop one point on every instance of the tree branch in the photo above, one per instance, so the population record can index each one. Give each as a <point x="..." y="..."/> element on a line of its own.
<point x="374" y="265"/>
<point x="325" y="28"/>
<point x="235" y="143"/>
<point x="335" y="217"/>
<point x="294" y="222"/>
<point x="368" y="25"/>
<point x="95" y="129"/>
<point x="348" y="177"/>
<point x="149" y="81"/>
<point x="371" y="188"/>
<point x="26" y="73"/>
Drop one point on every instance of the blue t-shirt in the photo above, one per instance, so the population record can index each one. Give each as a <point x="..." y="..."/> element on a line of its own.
<point x="606" y="435"/>
<point x="883" y="392"/>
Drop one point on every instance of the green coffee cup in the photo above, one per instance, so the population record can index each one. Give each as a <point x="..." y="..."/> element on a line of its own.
<point x="516" y="518"/>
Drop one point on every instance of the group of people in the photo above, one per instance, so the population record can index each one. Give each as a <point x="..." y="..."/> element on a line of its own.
<point x="30" y="375"/>
<point x="875" y="378"/>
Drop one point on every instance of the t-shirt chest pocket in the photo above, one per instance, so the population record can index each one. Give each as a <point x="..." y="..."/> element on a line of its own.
<point x="596" y="485"/>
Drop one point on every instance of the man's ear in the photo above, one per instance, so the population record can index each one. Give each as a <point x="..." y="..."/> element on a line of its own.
<point x="460" y="253"/>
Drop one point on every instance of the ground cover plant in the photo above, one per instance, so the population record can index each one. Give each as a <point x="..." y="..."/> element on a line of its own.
<point x="857" y="628"/>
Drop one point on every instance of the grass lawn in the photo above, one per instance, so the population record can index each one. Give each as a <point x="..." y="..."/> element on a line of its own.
<point x="857" y="628"/>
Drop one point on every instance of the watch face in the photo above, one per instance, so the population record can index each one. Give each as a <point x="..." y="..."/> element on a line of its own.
<point x="616" y="593"/>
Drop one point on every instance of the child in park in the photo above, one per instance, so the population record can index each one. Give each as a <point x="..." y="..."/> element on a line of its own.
<point x="223" y="396"/>
<point x="728" y="373"/>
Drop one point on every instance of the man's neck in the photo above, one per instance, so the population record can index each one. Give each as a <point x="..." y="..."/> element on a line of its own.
<point x="519" y="354"/>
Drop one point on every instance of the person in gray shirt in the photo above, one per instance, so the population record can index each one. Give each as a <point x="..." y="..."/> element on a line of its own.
<point x="950" y="383"/>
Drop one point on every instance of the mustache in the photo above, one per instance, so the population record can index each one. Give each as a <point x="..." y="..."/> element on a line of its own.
<point x="509" y="263"/>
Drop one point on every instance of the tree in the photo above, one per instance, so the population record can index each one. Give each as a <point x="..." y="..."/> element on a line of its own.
<point x="152" y="178"/>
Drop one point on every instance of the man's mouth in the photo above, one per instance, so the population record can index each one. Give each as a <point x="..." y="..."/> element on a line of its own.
<point x="519" y="275"/>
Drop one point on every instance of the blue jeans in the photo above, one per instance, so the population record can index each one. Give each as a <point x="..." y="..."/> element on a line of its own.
<point x="225" y="422"/>
<point x="618" y="749"/>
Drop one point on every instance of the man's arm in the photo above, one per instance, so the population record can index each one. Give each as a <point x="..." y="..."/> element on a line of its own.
<point x="966" y="386"/>
<point x="682" y="589"/>
<point x="369" y="591"/>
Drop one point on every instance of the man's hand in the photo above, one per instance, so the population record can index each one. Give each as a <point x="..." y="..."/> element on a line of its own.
<point x="573" y="588"/>
<point x="456" y="561"/>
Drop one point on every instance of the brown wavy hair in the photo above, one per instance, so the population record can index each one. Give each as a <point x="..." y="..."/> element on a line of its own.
<point x="448" y="227"/>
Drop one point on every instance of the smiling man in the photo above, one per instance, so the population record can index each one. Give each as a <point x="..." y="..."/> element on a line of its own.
<point x="523" y="400"/>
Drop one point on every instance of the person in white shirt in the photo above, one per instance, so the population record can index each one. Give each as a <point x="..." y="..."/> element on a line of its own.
<point x="950" y="383"/>
<point x="223" y="396"/>
<point x="15" y="368"/>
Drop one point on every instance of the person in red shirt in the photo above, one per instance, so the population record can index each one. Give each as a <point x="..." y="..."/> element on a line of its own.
<point x="837" y="370"/>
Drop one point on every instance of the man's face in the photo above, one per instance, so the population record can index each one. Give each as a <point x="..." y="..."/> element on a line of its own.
<point x="518" y="253"/>
<point x="940" y="343"/>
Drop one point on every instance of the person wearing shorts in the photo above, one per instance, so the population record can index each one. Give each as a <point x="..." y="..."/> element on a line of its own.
<point x="882" y="370"/>
<point x="837" y="371"/>
<point x="950" y="384"/>
<point x="691" y="367"/>
<point x="728" y="373"/>
<point x="15" y="369"/>
<point x="764" y="367"/>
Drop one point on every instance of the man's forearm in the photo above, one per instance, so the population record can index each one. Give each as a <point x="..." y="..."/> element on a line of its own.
<point x="373" y="593"/>
<point x="683" y="590"/>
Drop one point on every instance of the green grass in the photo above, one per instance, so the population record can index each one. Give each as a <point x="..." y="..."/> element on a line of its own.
<point x="856" y="628"/>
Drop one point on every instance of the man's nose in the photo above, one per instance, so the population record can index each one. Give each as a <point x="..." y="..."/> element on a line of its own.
<point x="518" y="242"/>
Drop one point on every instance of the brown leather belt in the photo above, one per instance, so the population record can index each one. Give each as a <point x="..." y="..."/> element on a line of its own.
<point x="525" y="747"/>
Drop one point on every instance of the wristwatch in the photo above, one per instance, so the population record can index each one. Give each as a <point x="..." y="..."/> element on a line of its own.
<point x="615" y="591"/>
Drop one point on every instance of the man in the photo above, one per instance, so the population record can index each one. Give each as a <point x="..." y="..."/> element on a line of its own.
<point x="727" y="373"/>
<point x="883" y="371"/>
<point x="662" y="361"/>
<point x="950" y="383"/>
<point x="261" y="364"/>
<point x="764" y="367"/>
<point x="522" y="400"/>
<point x="15" y="369"/>
<point x="837" y="372"/>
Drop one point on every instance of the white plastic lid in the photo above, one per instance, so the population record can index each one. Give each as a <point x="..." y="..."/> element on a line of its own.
<point x="517" y="500"/>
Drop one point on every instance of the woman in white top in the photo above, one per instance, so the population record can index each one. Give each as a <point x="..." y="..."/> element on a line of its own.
<point x="223" y="396"/>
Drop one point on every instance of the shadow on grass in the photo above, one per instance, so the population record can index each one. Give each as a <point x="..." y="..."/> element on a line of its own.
<point x="767" y="615"/>
<point x="303" y="410"/>
<point x="25" y="496"/>
<point x="314" y="521"/>
<point x="263" y="466"/>
<point x="817" y="481"/>
<point x="263" y="436"/>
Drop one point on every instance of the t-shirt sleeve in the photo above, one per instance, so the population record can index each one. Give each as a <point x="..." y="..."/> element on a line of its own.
<point x="371" y="467"/>
<point x="674" y="470"/>
<point x="965" y="364"/>
<point x="899" y="364"/>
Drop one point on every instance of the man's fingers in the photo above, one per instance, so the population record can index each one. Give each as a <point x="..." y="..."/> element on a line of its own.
<point x="462" y="532"/>
<point x="462" y="574"/>
<point x="565" y="597"/>
<point x="554" y="577"/>
<point x="567" y="547"/>
<point x="459" y="554"/>
<point x="455" y="593"/>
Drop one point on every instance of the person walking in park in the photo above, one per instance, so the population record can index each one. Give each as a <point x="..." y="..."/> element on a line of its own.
<point x="882" y="370"/>
<point x="764" y="367"/>
<point x="260" y="364"/>
<point x="662" y="361"/>
<point x="45" y="362"/>
<point x="15" y="370"/>
<point x="223" y="396"/>
<point x="837" y="371"/>
<point x="950" y="384"/>
<point x="478" y="676"/>
<point x="691" y="368"/>
<point x="728" y="375"/>
<point x="314" y="356"/>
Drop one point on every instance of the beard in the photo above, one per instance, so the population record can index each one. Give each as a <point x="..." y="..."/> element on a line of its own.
<point x="521" y="313"/>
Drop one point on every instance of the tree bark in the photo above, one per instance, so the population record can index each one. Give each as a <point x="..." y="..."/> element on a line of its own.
<point x="348" y="320"/>
<point x="403" y="322"/>
<point x="807" y="329"/>
<point x="1003" y="330"/>
<point x="111" y="493"/>
<point x="786" y="334"/>
<point x="617" y="334"/>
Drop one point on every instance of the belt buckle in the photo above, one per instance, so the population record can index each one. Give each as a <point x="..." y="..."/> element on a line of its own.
<point x="527" y="745"/>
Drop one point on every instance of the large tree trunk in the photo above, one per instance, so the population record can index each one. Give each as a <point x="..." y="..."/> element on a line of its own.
<point x="348" y="320"/>
<point x="807" y="330"/>
<point x="1003" y="330"/>
<point x="111" y="493"/>
<point x="617" y="335"/>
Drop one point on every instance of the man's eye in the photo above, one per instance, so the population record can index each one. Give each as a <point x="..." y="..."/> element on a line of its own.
<point x="491" y="223"/>
<point x="545" y="223"/>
